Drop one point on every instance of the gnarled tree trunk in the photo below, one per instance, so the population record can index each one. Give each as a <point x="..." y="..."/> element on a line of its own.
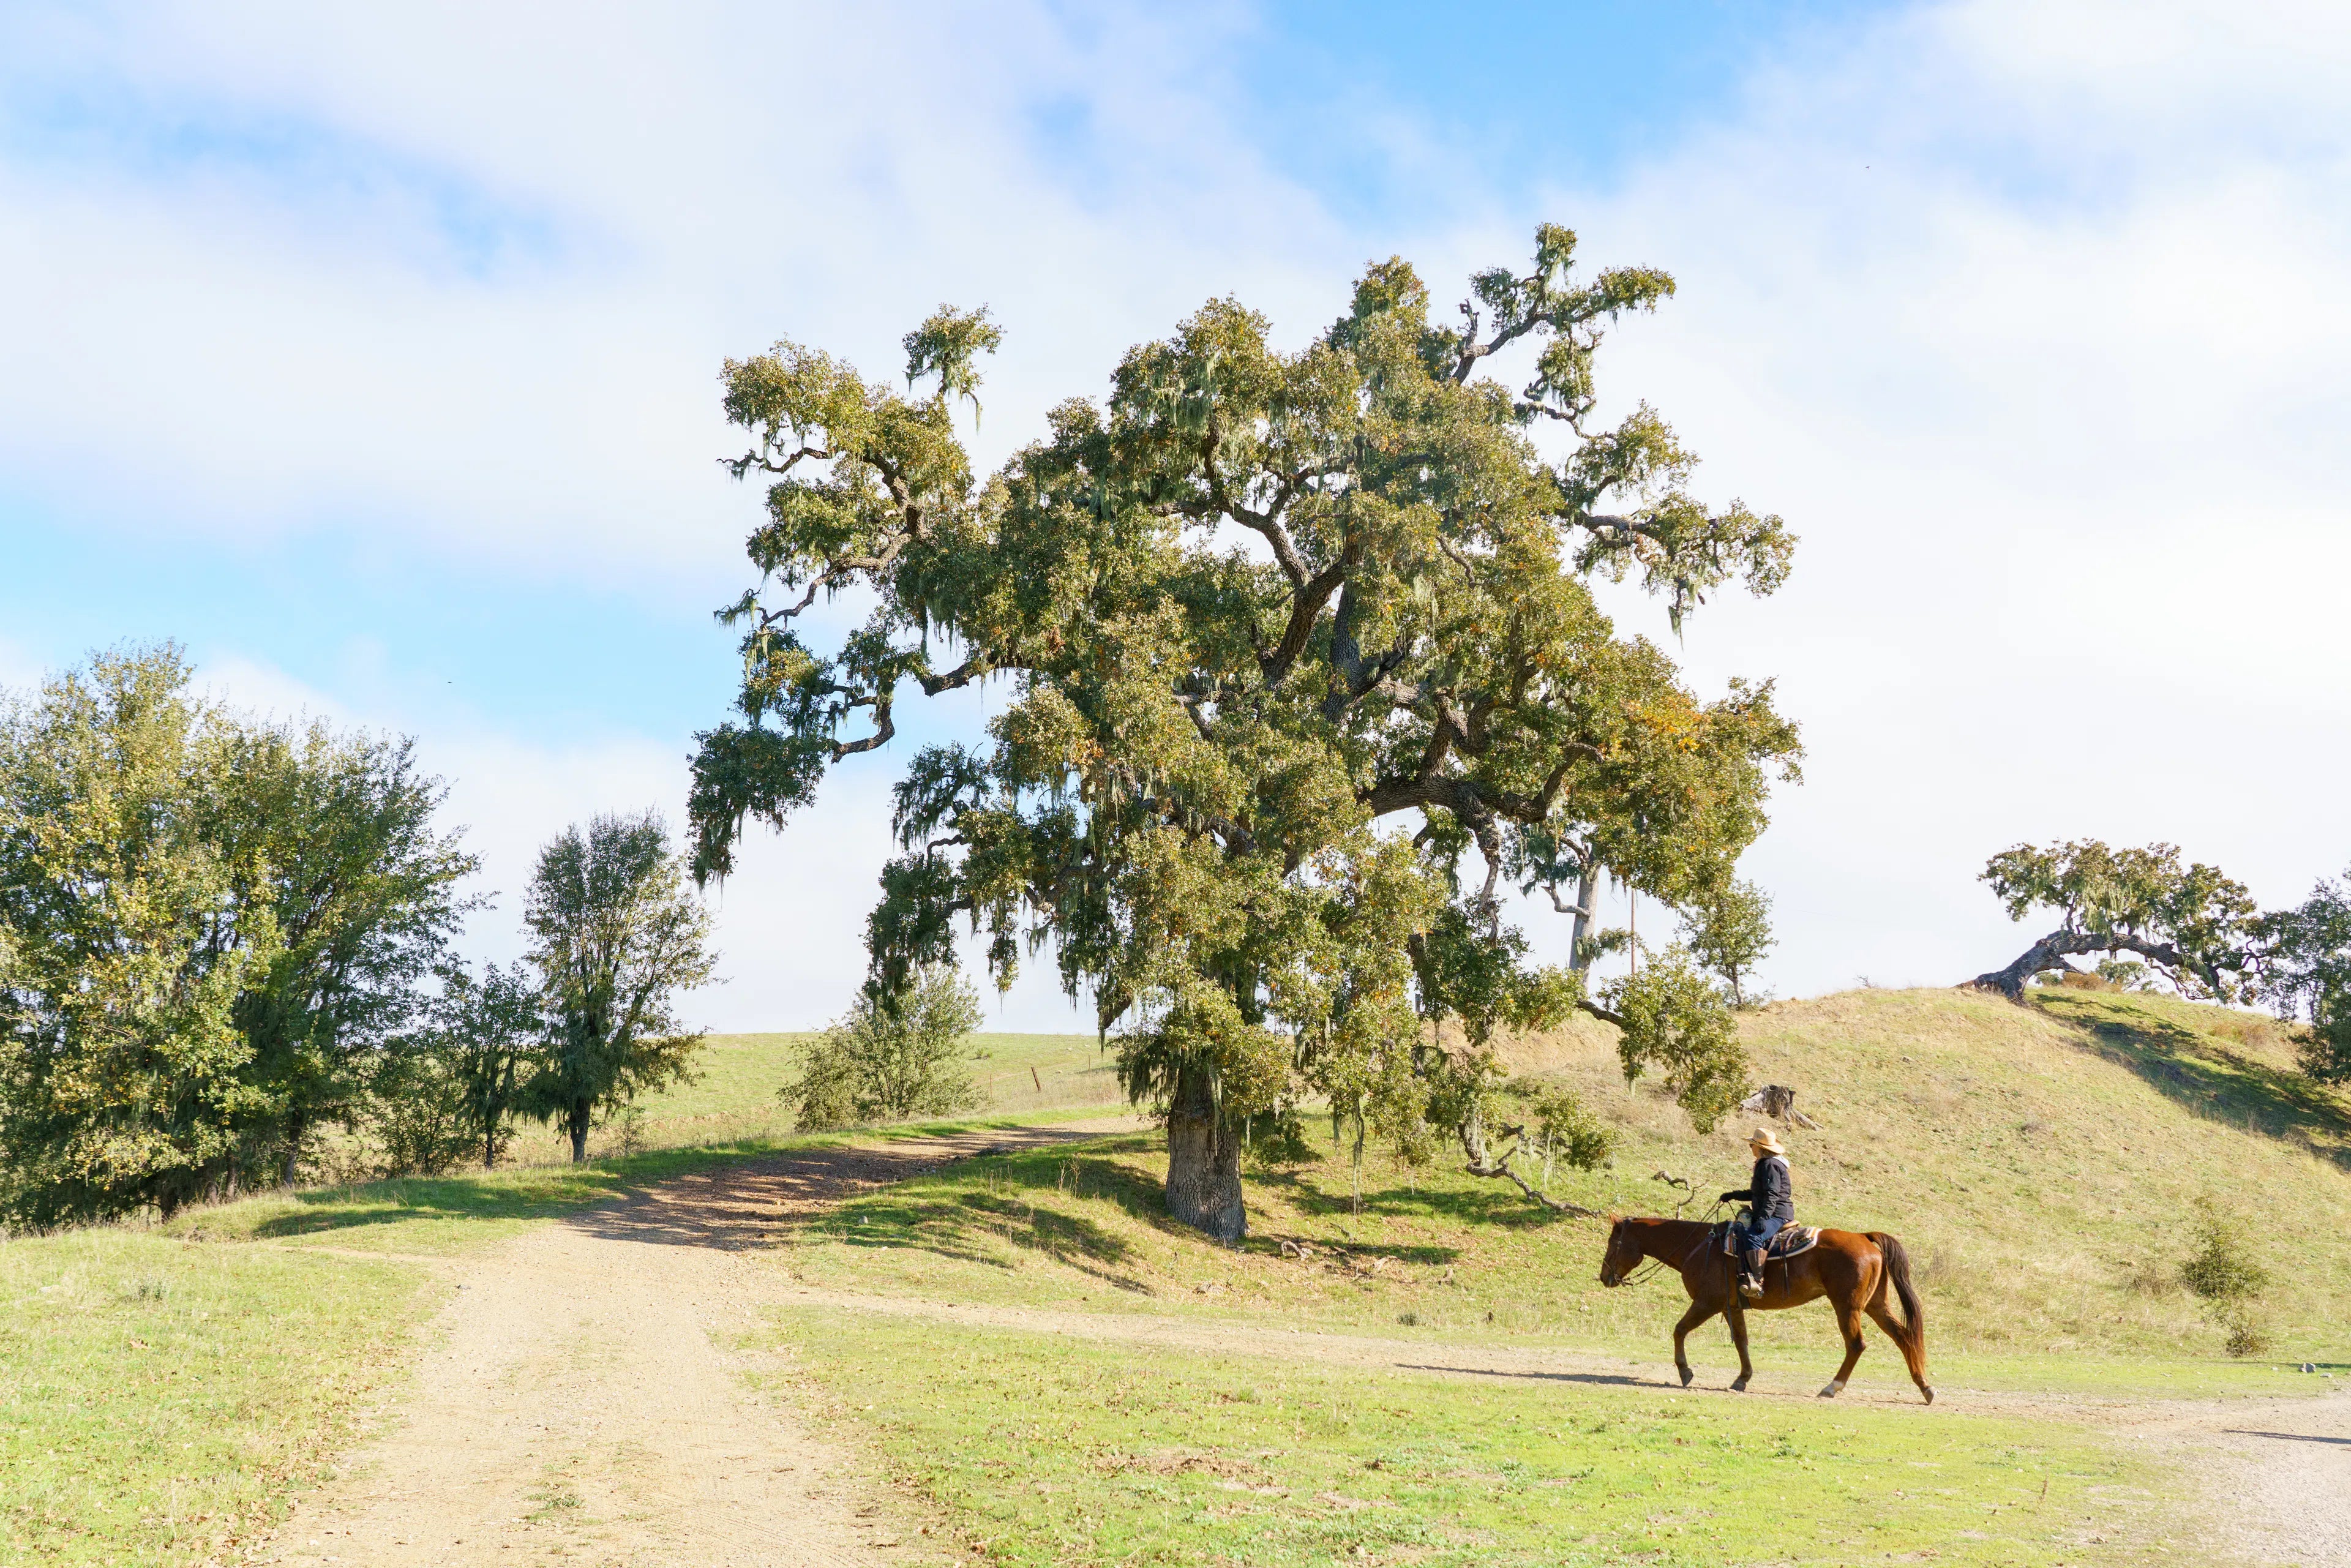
<point x="1204" y="1161"/>
<point x="2049" y="955"/>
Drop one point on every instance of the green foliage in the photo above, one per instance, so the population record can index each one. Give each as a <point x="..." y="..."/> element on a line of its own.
<point x="208" y="929"/>
<point x="1678" y="1023"/>
<point x="2190" y="922"/>
<point x="1728" y="930"/>
<point x="2307" y="973"/>
<point x="616" y="934"/>
<point x="1187" y="797"/>
<point x="415" y="1111"/>
<point x="2223" y="1274"/>
<point x="337" y="830"/>
<point x="451" y="1090"/>
<point x="895" y="1056"/>
<point x="124" y="1082"/>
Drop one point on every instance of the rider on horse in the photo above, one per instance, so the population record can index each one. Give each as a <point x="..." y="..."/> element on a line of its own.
<point x="1771" y="1197"/>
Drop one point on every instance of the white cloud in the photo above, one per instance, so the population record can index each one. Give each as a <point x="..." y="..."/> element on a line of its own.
<point x="467" y="274"/>
<point x="2057" y="413"/>
<point x="2030" y="318"/>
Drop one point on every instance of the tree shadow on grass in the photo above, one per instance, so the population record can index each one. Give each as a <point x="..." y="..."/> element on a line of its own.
<point x="2205" y="1074"/>
<point x="977" y="1211"/>
<point x="1503" y="1207"/>
<point x="504" y="1195"/>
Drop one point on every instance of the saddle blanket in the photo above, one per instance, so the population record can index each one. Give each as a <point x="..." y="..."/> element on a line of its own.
<point x="1791" y="1239"/>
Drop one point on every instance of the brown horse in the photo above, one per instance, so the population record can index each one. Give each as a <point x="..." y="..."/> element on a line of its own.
<point x="1851" y="1269"/>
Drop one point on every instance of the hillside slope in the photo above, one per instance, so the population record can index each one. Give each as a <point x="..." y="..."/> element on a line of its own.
<point x="2043" y="1164"/>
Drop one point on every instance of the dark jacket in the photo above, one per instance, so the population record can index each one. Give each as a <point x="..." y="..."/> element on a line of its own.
<point x="1773" y="1193"/>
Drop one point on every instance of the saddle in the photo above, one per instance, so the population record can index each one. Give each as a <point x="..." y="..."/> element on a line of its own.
<point x="1790" y="1241"/>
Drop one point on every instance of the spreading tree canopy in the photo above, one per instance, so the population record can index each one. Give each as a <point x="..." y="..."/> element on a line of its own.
<point x="2304" y="957"/>
<point x="2191" y="923"/>
<point x="1288" y="636"/>
<point x="210" y="927"/>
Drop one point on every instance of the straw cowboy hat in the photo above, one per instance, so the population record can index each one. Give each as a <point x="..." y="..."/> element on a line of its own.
<point x="1764" y="1141"/>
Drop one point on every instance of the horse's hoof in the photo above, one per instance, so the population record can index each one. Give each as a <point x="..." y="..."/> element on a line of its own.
<point x="1928" y="1392"/>
<point x="1835" y="1387"/>
<point x="1740" y="1386"/>
<point x="1686" y="1376"/>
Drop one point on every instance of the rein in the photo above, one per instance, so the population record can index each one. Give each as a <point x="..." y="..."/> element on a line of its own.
<point x="1650" y="1267"/>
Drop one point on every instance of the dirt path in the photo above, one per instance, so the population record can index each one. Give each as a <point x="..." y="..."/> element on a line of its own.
<point x="577" y="1400"/>
<point x="580" y="1403"/>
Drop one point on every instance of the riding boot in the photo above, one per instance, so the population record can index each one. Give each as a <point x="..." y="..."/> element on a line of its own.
<point x="1750" y="1284"/>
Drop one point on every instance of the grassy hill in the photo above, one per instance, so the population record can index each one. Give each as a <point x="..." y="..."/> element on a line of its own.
<point x="2043" y="1164"/>
<point x="734" y="1101"/>
<point x="164" y="1386"/>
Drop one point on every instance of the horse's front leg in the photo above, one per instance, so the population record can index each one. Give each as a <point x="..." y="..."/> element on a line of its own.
<point x="1699" y="1311"/>
<point x="1736" y="1317"/>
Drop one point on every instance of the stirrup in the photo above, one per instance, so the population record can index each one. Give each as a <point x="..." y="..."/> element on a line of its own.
<point x="1750" y="1288"/>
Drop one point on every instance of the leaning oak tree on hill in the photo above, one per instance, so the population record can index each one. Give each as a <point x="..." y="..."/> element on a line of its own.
<point x="2192" y="923"/>
<point x="1253" y="610"/>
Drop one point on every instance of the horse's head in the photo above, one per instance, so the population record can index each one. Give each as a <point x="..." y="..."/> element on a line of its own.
<point x="1624" y="1255"/>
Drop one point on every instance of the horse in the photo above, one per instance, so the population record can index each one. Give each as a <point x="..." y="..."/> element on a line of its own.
<point x="1852" y="1269"/>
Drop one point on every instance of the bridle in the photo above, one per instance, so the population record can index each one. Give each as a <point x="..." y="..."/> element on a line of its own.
<point x="1652" y="1265"/>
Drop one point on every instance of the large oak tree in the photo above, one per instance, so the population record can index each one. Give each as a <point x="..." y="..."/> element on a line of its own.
<point x="1302" y="660"/>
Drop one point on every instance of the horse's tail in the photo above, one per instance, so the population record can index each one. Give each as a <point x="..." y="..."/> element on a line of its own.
<point x="1897" y="1270"/>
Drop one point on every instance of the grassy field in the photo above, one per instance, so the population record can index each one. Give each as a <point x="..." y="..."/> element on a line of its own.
<point x="734" y="1100"/>
<point x="1042" y="1451"/>
<point x="164" y="1388"/>
<point x="2041" y="1164"/>
<point x="159" y="1399"/>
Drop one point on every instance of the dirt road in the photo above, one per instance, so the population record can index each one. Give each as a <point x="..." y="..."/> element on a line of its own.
<point x="580" y="1400"/>
<point x="576" y="1399"/>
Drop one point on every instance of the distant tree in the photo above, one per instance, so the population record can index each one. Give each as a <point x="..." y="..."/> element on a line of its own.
<point x="2305" y="973"/>
<point x="452" y="1087"/>
<point x="157" y="853"/>
<point x="892" y="1056"/>
<point x="124" y="946"/>
<point x="2193" y="923"/>
<point x="337" y="831"/>
<point x="1728" y="930"/>
<point x="1184" y="797"/>
<point x="414" y="1108"/>
<point x="616" y="936"/>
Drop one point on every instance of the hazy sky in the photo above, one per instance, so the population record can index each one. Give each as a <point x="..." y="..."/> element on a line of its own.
<point x="370" y="351"/>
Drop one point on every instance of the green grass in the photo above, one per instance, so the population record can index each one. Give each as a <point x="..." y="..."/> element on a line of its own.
<point x="733" y="1101"/>
<point x="158" y="1400"/>
<point x="2040" y="1164"/>
<point x="1049" y="1451"/>
<point x="164" y="1389"/>
<point x="450" y="1213"/>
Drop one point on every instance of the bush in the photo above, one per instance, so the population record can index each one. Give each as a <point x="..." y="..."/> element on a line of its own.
<point x="2223" y="1274"/>
<point x="417" y="1112"/>
<point x="895" y="1055"/>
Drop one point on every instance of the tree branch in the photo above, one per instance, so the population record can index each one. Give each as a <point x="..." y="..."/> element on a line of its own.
<point x="2049" y="954"/>
<point x="1606" y="1015"/>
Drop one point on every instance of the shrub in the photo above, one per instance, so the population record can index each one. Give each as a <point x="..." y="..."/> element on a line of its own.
<point x="894" y="1055"/>
<point x="2223" y="1274"/>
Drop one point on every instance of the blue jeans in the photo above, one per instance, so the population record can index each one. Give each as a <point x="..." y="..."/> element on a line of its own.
<point x="1759" y="1232"/>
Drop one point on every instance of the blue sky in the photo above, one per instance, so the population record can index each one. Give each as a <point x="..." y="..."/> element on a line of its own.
<point x="370" y="351"/>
